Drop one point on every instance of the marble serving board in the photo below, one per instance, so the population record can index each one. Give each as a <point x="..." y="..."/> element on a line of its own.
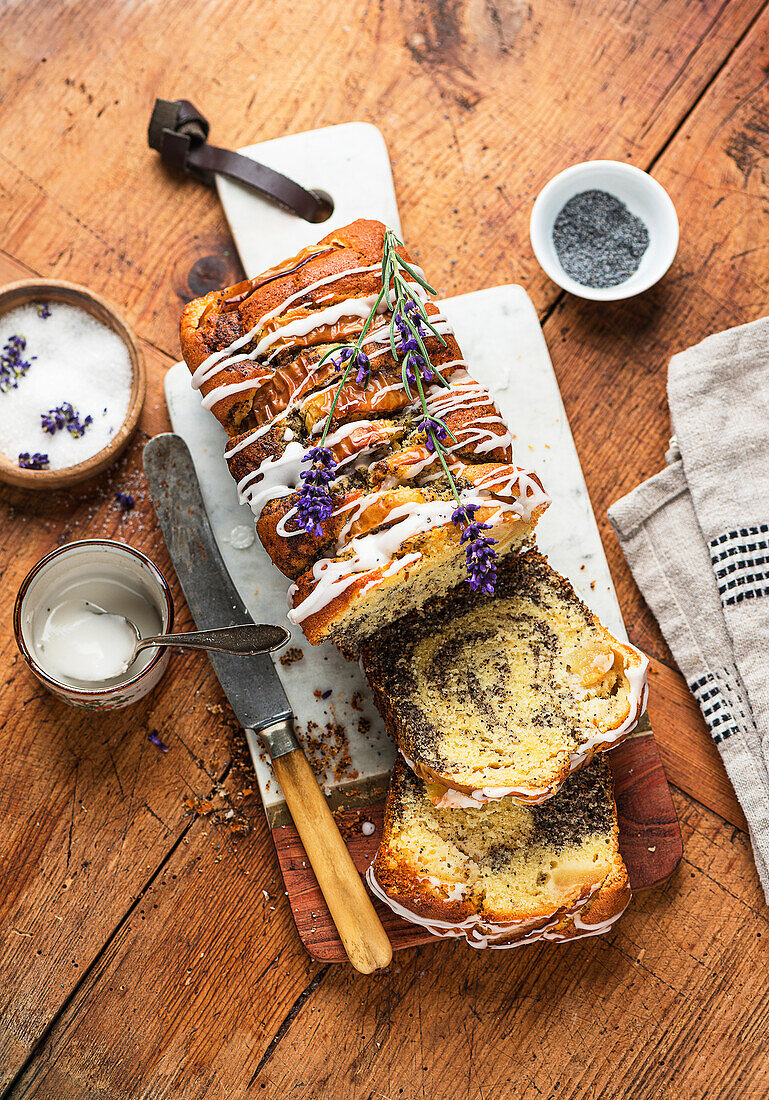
<point x="502" y="342"/>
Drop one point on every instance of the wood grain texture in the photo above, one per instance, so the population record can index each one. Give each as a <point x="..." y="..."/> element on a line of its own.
<point x="630" y="1014"/>
<point x="89" y="809"/>
<point x="479" y="103"/>
<point x="348" y="907"/>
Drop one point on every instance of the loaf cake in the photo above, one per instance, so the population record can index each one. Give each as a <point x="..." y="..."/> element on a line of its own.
<point x="503" y="874"/>
<point x="261" y="354"/>
<point x="504" y="695"/>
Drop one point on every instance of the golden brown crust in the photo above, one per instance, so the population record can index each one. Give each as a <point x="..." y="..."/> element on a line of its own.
<point x="436" y="547"/>
<point x="356" y="245"/>
<point x="588" y="907"/>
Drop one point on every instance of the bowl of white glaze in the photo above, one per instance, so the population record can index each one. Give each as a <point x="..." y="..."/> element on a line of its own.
<point x="643" y="197"/>
<point x="120" y="581"/>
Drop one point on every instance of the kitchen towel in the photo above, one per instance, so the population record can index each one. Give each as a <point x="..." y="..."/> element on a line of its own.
<point x="696" y="537"/>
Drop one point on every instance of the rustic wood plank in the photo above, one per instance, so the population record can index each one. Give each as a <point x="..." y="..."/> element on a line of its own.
<point x="444" y="1021"/>
<point x="200" y="976"/>
<point x="580" y="1021"/>
<point x="88" y="807"/>
<point x="479" y="104"/>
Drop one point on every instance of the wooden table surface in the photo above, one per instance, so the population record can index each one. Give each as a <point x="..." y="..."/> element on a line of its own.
<point x="147" y="949"/>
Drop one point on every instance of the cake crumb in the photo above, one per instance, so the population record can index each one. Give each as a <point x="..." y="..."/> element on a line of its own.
<point x="291" y="656"/>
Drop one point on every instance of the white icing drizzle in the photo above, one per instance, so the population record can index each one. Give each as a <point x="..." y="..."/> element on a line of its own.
<point x="220" y="392"/>
<point x="277" y="476"/>
<point x="217" y="358"/>
<point x="280" y="476"/>
<point x="370" y="552"/>
<point x="480" y="933"/>
<point x="374" y="553"/>
<point x="393" y="568"/>
<point x="302" y="326"/>
<point x="299" y="327"/>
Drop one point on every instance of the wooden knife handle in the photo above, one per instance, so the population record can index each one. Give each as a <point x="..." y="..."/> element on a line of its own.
<point x="357" y="923"/>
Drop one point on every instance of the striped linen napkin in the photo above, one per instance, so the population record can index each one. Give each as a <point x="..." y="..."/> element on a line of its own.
<point x="696" y="537"/>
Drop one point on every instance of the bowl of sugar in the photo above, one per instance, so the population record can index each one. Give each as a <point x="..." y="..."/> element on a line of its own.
<point x="72" y="384"/>
<point x="604" y="230"/>
<point x="71" y="621"/>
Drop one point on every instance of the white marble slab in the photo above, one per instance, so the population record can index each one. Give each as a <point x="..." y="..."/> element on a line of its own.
<point x="501" y="339"/>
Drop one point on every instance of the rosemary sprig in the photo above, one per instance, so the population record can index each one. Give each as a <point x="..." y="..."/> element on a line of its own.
<point x="409" y="326"/>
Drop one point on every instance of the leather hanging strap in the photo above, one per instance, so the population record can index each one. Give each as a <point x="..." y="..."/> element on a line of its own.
<point x="179" y="133"/>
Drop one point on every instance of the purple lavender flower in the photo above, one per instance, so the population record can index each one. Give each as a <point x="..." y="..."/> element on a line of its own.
<point x="43" y="310"/>
<point x="125" y="500"/>
<point x="154" y="737"/>
<point x="359" y="360"/>
<point x="36" y="461"/>
<point x="315" y="505"/>
<point x="363" y="364"/>
<point x="479" y="553"/>
<point x="434" y="430"/>
<point x="414" y="362"/>
<point x="13" y="366"/>
<point x="482" y="564"/>
<point x="64" y="416"/>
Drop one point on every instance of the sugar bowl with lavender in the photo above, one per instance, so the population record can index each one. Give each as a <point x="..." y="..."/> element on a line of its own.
<point x="71" y="384"/>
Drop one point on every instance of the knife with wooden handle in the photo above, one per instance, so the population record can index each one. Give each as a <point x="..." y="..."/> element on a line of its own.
<point x="257" y="697"/>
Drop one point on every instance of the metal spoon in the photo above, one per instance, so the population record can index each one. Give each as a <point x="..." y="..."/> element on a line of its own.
<point x="244" y="641"/>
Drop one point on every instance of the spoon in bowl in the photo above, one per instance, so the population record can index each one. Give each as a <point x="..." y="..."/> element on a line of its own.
<point x="124" y="642"/>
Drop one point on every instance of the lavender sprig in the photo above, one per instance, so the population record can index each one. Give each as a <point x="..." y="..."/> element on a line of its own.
<point x="35" y="461"/>
<point x="409" y="327"/>
<point x="480" y="555"/>
<point x="13" y="365"/>
<point x="64" y="416"/>
<point x="125" y="500"/>
<point x="43" y="310"/>
<point x="315" y="505"/>
<point x="155" y="738"/>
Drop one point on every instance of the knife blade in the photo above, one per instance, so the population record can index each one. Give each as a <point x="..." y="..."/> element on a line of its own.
<point x="258" y="699"/>
<point x="250" y="683"/>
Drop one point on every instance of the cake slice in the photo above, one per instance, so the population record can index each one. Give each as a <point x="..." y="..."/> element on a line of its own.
<point x="503" y="874"/>
<point x="503" y="696"/>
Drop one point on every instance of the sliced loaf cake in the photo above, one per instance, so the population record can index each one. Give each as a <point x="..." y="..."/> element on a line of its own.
<point x="503" y="874"/>
<point x="505" y="695"/>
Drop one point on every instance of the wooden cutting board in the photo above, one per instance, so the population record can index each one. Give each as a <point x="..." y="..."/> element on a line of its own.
<point x="499" y="333"/>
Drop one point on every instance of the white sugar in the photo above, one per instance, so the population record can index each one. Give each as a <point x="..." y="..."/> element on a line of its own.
<point x="80" y="361"/>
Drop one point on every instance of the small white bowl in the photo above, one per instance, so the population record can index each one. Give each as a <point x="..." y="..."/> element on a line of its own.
<point x="82" y="564"/>
<point x="640" y="193"/>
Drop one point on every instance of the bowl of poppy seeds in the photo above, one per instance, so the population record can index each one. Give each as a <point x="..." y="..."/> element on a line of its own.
<point x="604" y="230"/>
